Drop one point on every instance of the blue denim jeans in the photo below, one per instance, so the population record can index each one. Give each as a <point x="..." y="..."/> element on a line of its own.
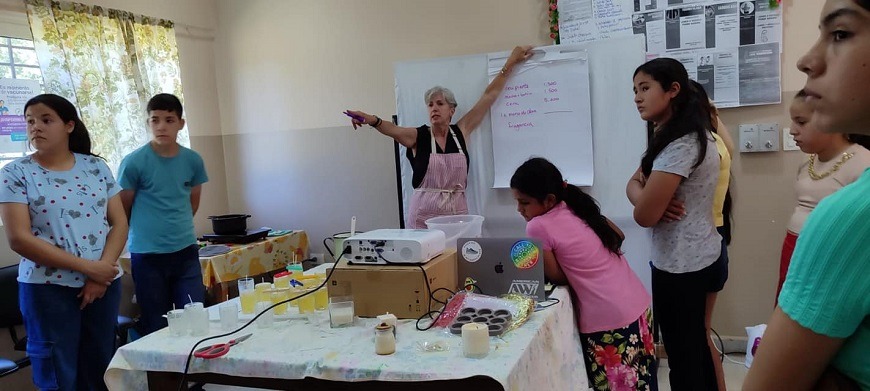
<point x="69" y="348"/>
<point x="163" y="280"/>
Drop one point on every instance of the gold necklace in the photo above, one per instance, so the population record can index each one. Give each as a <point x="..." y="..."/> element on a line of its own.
<point x="811" y="169"/>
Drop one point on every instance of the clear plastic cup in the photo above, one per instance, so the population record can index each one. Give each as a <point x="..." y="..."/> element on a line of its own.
<point x="197" y="318"/>
<point x="265" y="320"/>
<point x="246" y="284"/>
<point x="340" y="311"/>
<point x="263" y="291"/>
<point x="247" y="297"/>
<point x="306" y="303"/>
<point x="321" y="297"/>
<point x="277" y="297"/>
<point x="177" y="323"/>
<point x="229" y="313"/>
<point x="293" y="292"/>
<point x="283" y="281"/>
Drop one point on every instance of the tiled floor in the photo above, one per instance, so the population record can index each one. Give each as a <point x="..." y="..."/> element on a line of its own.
<point x="734" y="375"/>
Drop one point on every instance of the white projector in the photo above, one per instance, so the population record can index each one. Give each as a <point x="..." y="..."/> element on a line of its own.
<point x="390" y="246"/>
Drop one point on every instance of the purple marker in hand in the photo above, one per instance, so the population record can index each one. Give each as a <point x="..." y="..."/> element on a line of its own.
<point x="356" y="117"/>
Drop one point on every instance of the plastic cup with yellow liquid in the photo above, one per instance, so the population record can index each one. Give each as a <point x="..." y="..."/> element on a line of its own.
<point x="282" y="280"/>
<point x="247" y="295"/>
<point x="263" y="290"/>
<point x="306" y="303"/>
<point x="321" y="297"/>
<point x="277" y="297"/>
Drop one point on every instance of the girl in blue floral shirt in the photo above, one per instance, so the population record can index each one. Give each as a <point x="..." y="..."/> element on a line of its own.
<point x="63" y="215"/>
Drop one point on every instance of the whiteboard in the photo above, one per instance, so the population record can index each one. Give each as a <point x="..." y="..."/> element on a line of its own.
<point x="543" y="110"/>
<point x="618" y="136"/>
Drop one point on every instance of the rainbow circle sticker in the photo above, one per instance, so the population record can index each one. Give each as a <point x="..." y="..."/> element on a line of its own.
<point x="525" y="254"/>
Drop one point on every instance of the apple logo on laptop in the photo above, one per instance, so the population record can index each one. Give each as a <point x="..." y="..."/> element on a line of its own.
<point x="499" y="268"/>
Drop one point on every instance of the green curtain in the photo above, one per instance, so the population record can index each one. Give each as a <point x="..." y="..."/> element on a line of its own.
<point x="108" y="63"/>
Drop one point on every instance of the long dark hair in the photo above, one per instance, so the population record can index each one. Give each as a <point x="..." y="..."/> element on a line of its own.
<point x="713" y="112"/>
<point x="79" y="139"/>
<point x="705" y="104"/>
<point x="537" y="178"/>
<point x="686" y="114"/>
<point x="864" y="4"/>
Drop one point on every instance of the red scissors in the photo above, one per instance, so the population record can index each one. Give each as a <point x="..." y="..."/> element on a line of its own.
<point x="217" y="350"/>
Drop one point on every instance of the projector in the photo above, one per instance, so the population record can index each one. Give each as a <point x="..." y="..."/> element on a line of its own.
<point x="391" y="246"/>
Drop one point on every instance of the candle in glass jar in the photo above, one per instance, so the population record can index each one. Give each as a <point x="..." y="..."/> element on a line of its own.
<point x="385" y="340"/>
<point x="341" y="315"/>
<point x="475" y="340"/>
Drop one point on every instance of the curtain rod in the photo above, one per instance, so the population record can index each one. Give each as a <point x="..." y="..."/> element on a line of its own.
<point x="181" y="29"/>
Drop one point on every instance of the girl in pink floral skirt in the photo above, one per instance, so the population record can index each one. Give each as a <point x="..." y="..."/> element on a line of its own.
<point x="582" y="249"/>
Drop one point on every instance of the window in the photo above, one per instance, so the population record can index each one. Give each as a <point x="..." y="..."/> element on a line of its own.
<point x="17" y="61"/>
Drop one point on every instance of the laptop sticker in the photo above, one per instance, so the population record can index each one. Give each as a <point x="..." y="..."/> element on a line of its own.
<point x="524" y="254"/>
<point x="471" y="251"/>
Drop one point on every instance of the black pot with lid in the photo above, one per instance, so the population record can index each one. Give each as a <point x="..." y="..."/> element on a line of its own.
<point x="231" y="224"/>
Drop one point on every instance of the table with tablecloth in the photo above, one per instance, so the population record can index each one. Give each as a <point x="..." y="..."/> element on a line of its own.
<point x="543" y="354"/>
<point x="249" y="259"/>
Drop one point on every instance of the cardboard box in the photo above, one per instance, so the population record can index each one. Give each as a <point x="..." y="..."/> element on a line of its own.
<point x="398" y="289"/>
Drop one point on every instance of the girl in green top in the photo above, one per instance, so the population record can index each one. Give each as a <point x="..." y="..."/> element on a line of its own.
<point x="819" y="335"/>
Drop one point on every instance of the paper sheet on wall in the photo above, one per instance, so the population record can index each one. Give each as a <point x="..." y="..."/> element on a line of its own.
<point x="589" y="20"/>
<point x="715" y="40"/>
<point x="544" y="110"/>
<point x="14" y="93"/>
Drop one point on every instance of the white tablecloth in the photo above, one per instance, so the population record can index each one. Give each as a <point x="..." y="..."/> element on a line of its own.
<point x="544" y="354"/>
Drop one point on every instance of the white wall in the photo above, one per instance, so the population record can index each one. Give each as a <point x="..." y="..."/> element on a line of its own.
<point x="286" y="71"/>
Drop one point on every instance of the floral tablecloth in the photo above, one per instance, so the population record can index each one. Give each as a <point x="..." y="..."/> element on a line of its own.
<point x="544" y="354"/>
<point x="248" y="259"/>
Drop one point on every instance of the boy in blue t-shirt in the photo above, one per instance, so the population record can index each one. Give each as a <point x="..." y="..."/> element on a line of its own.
<point x="162" y="183"/>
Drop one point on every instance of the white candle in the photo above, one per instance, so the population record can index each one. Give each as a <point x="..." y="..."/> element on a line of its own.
<point x="341" y="315"/>
<point x="475" y="340"/>
<point x="390" y="320"/>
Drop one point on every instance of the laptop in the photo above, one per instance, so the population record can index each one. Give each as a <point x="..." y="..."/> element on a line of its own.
<point x="502" y="265"/>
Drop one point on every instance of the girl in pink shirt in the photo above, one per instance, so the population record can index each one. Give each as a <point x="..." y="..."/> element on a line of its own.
<point x="582" y="250"/>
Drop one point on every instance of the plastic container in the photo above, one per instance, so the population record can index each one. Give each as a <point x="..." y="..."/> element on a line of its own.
<point x="457" y="226"/>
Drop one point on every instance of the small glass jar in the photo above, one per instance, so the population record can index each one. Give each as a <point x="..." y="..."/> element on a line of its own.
<point x="197" y="318"/>
<point x="385" y="340"/>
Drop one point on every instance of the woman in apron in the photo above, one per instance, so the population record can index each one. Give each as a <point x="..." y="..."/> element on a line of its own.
<point x="437" y="151"/>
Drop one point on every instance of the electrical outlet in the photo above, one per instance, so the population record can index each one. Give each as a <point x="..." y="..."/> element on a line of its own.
<point x="748" y="137"/>
<point x="788" y="143"/>
<point x="759" y="137"/>
<point x="768" y="137"/>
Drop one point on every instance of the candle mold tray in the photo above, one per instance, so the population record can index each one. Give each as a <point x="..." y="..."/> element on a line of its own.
<point x="497" y="320"/>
